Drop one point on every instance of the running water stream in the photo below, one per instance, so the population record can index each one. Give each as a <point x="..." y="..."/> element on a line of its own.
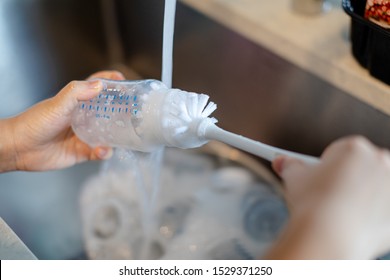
<point x="149" y="164"/>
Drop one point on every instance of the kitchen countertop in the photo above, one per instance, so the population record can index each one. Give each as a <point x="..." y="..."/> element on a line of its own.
<point x="319" y="44"/>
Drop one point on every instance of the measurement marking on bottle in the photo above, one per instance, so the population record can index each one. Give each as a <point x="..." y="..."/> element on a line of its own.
<point x="132" y="109"/>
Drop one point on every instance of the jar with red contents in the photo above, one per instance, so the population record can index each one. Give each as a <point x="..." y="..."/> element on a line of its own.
<point x="378" y="11"/>
<point x="370" y="35"/>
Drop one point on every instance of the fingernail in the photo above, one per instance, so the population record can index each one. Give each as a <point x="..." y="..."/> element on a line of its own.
<point x="278" y="165"/>
<point x="117" y="76"/>
<point x="104" y="153"/>
<point x="95" y="85"/>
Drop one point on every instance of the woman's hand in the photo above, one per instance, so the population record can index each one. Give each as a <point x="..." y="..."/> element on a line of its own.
<point x="41" y="138"/>
<point x="340" y="208"/>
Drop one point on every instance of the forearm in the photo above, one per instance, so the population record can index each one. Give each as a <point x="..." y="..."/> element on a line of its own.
<point x="8" y="155"/>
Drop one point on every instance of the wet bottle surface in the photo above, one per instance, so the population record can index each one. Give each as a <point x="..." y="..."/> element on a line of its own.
<point x="113" y="117"/>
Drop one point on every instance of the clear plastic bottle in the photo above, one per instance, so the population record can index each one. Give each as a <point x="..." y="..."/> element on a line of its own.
<point x="113" y="118"/>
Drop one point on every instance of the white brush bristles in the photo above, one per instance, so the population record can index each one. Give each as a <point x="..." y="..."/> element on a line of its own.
<point x="181" y="115"/>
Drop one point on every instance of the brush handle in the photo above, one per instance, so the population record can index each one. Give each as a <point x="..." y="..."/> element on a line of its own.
<point x="213" y="132"/>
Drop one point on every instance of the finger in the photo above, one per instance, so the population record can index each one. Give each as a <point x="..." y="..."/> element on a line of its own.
<point x="102" y="153"/>
<point x="84" y="152"/>
<point x="92" y="90"/>
<point x="112" y="75"/>
<point x="294" y="173"/>
<point x="287" y="167"/>
<point x="277" y="164"/>
<point x="347" y="144"/>
<point x="283" y="165"/>
<point x="67" y="99"/>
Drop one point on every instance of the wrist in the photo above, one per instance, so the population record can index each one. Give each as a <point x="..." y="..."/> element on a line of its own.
<point x="8" y="154"/>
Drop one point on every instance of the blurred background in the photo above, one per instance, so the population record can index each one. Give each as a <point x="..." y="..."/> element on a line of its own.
<point x="44" y="44"/>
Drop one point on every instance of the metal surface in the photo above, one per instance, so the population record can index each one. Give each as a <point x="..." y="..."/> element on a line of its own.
<point x="259" y="95"/>
<point x="46" y="43"/>
<point x="214" y="202"/>
<point x="11" y="247"/>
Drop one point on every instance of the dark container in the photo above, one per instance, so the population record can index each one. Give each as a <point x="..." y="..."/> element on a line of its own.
<point x="370" y="42"/>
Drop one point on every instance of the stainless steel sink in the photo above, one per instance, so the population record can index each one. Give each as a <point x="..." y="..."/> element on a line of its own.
<point x="259" y="95"/>
<point x="45" y="44"/>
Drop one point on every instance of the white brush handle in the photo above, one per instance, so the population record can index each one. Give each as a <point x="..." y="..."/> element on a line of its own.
<point x="264" y="151"/>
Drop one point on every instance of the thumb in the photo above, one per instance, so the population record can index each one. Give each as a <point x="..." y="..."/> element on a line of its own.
<point x="67" y="99"/>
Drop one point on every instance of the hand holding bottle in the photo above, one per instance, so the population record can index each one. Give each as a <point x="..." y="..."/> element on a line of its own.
<point x="41" y="138"/>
